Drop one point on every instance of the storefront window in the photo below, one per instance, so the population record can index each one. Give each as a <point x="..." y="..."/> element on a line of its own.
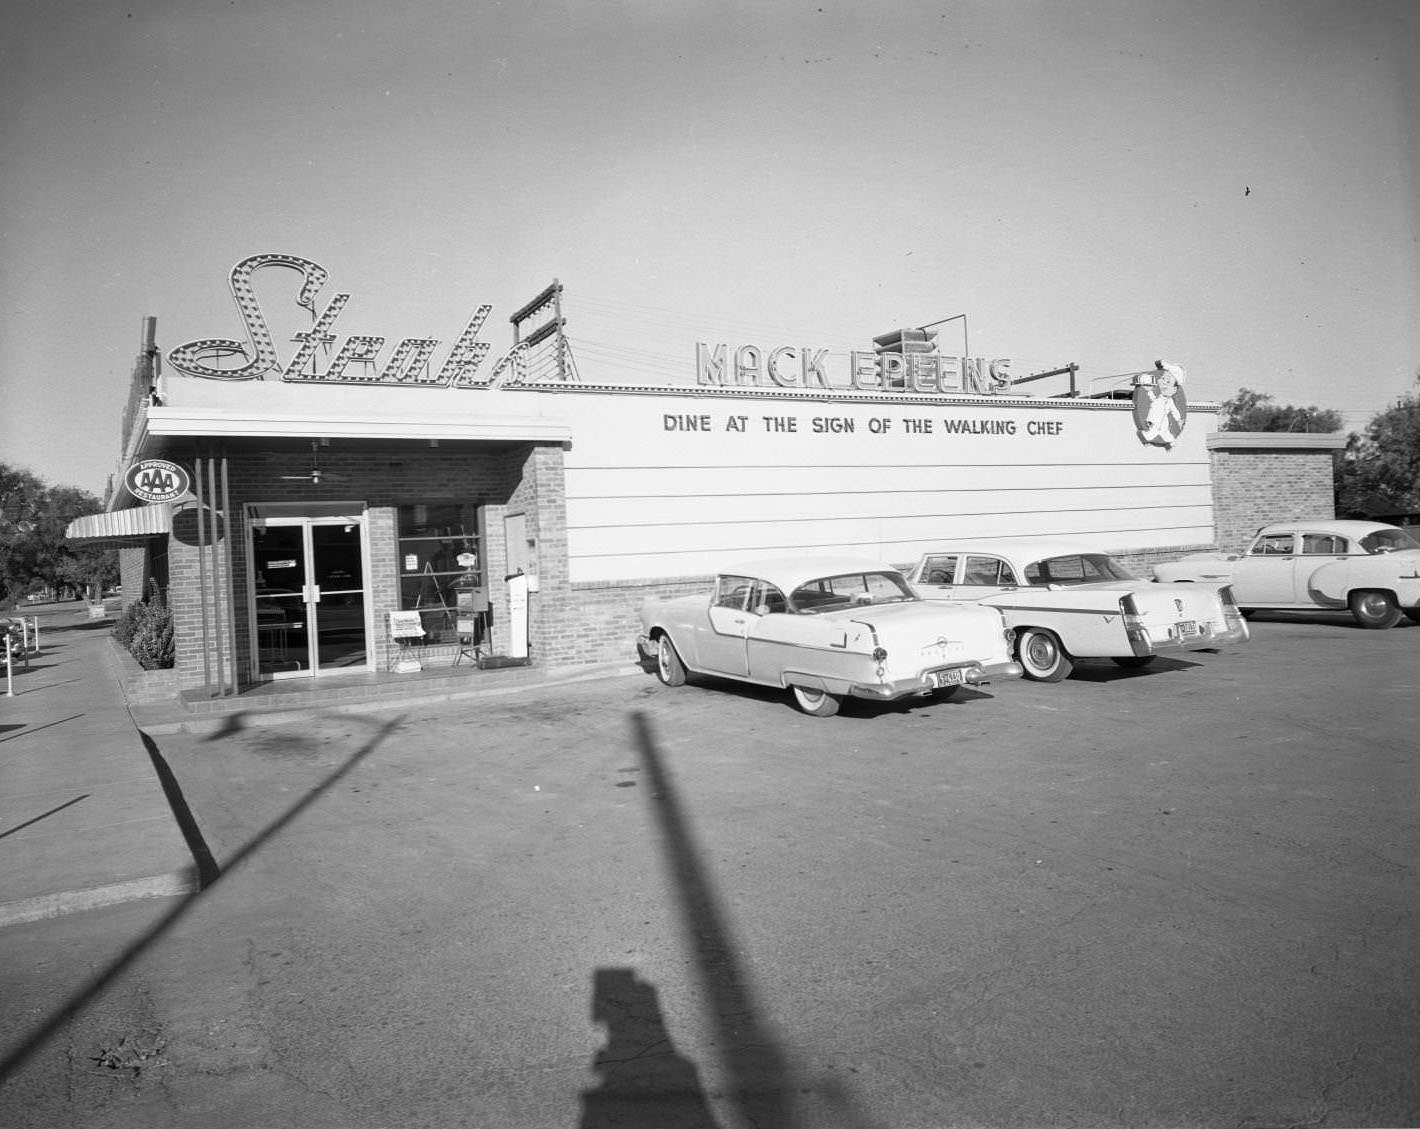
<point x="441" y="567"/>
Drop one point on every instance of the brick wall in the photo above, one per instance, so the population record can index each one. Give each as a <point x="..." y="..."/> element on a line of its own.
<point x="602" y="619"/>
<point x="1260" y="478"/>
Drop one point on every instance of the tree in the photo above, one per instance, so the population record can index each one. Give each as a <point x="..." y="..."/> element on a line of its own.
<point x="1255" y="411"/>
<point x="1380" y="470"/>
<point x="34" y="553"/>
<point x="20" y="494"/>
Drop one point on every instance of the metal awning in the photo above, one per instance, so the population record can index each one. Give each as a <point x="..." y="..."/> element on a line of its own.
<point x="138" y="521"/>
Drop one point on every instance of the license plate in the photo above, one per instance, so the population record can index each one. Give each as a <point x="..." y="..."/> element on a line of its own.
<point x="940" y="678"/>
<point x="1188" y="629"/>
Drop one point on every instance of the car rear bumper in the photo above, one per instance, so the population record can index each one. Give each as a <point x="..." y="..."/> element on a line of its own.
<point x="1144" y="642"/>
<point x="937" y="678"/>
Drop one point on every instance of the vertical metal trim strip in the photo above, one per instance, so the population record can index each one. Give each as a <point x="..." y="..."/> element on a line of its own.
<point x="231" y="576"/>
<point x="202" y="579"/>
<point x="217" y="579"/>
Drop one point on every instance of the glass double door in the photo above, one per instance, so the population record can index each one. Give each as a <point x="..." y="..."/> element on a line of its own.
<point x="308" y="595"/>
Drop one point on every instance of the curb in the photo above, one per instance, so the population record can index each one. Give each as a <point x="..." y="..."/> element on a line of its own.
<point x="46" y="906"/>
<point x="162" y="722"/>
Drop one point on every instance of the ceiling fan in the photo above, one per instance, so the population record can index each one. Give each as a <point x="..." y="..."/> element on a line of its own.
<point x="315" y="476"/>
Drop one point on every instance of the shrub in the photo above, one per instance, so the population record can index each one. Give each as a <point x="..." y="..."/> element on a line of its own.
<point x="127" y="623"/>
<point x="146" y="629"/>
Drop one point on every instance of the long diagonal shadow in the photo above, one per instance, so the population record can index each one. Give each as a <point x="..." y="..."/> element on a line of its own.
<point x="36" y="728"/>
<point x="757" y="1070"/>
<point x="44" y="815"/>
<point x="762" y="1081"/>
<point x="100" y="980"/>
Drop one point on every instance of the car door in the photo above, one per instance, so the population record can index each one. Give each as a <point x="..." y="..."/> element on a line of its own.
<point x="722" y="641"/>
<point x="770" y="647"/>
<point x="1267" y="574"/>
<point x="1316" y="551"/>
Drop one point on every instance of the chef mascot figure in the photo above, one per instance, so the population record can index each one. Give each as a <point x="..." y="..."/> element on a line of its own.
<point x="1160" y="407"/>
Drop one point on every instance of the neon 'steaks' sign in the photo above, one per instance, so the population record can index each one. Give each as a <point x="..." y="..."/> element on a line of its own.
<point x="356" y="362"/>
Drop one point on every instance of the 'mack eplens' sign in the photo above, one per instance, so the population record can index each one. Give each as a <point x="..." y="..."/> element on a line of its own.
<point x="807" y="367"/>
<point x="361" y="359"/>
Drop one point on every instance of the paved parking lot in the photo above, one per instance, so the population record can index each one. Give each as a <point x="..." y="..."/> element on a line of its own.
<point x="1179" y="896"/>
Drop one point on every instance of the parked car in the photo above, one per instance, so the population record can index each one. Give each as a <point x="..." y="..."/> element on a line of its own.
<point x="1067" y="601"/>
<point x="1366" y="567"/>
<point x="825" y="628"/>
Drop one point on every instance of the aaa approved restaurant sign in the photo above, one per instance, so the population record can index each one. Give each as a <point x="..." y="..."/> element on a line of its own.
<point x="157" y="480"/>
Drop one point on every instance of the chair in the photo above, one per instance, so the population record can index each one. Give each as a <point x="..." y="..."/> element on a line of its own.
<point x="404" y="626"/>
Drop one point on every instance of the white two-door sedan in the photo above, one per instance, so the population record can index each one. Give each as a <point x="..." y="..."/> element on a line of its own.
<point x="825" y="628"/>
<point x="1066" y="601"/>
<point x="1367" y="568"/>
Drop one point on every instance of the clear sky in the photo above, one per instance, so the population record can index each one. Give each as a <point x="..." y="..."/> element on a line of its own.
<point x="1233" y="185"/>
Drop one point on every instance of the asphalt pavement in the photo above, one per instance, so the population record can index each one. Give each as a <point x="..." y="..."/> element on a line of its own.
<point x="1180" y="896"/>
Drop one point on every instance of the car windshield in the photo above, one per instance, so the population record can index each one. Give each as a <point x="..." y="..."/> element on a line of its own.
<point x="1077" y="568"/>
<point x="853" y="589"/>
<point x="1389" y="541"/>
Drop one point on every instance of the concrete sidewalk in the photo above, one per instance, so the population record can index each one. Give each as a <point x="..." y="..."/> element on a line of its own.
<point x="85" y="820"/>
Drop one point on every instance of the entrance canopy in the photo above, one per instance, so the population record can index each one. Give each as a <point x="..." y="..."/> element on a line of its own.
<point x="137" y="521"/>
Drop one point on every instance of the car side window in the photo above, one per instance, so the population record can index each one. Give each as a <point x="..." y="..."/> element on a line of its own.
<point x="767" y="599"/>
<point x="732" y="592"/>
<point x="990" y="571"/>
<point x="1272" y="545"/>
<point x="1323" y="544"/>
<point x="939" y="570"/>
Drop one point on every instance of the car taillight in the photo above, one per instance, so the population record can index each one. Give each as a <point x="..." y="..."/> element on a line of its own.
<point x="1133" y="622"/>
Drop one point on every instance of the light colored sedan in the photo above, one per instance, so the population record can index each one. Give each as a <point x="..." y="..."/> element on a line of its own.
<point x="825" y="628"/>
<point x="1366" y="567"/>
<point x="1066" y="601"/>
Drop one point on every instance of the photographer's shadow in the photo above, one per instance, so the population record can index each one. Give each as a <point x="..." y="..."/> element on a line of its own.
<point x="645" y="1084"/>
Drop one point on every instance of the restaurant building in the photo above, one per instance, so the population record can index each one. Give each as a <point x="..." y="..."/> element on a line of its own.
<point x="357" y="503"/>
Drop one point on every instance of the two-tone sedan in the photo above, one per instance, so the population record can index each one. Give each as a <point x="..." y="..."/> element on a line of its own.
<point x="825" y="628"/>
<point x="1067" y="601"/>
<point x="1367" y="568"/>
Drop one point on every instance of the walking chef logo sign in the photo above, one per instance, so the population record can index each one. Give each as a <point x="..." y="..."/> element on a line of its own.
<point x="157" y="480"/>
<point x="1160" y="408"/>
